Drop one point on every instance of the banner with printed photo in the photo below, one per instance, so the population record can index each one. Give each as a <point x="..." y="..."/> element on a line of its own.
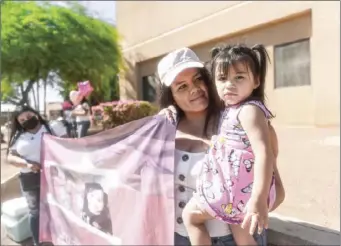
<point x="112" y="188"/>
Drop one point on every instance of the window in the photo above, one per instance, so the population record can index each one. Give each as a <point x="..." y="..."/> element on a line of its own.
<point x="292" y="64"/>
<point x="149" y="88"/>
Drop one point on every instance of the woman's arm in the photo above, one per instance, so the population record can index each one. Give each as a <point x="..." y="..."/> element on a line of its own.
<point x="14" y="159"/>
<point x="280" y="191"/>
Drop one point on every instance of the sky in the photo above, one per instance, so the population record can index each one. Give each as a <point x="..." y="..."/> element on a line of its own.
<point x="105" y="10"/>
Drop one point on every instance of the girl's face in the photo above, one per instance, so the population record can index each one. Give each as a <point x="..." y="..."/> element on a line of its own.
<point x="237" y="85"/>
<point x="95" y="201"/>
<point x="189" y="91"/>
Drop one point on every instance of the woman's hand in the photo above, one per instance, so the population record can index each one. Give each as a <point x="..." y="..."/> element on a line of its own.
<point x="34" y="167"/>
<point x="170" y="113"/>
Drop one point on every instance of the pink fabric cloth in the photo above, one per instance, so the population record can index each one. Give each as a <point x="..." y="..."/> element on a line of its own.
<point x="112" y="188"/>
<point x="225" y="184"/>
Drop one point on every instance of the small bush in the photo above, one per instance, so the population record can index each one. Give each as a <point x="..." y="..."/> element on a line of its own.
<point x="112" y="114"/>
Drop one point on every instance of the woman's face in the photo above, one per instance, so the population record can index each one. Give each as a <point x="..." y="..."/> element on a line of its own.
<point x="28" y="120"/>
<point x="95" y="201"/>
<point x="189" y="91"/>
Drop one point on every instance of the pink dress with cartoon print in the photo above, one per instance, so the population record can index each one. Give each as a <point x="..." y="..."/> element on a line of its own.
<point x="225" y="184"/>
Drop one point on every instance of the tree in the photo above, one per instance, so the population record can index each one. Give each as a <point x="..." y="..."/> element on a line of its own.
<point x="43" y="39"/>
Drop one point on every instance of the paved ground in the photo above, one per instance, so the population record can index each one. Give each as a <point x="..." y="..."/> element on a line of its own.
<point x="6" y="170"/>
<point x="309" y="162"/>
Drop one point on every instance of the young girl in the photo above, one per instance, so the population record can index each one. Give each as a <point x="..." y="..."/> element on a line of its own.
<point x="236" y="184"/>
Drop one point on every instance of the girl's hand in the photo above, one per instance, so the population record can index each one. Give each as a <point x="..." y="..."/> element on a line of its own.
<point x="256" y="215"/>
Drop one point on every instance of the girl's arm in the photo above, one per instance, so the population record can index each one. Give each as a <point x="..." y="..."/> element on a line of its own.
<point x="256" y="126"/>
<point x="280" y="192"/>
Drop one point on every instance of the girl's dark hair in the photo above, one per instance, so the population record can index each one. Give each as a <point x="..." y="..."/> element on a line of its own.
<point x="103" y="219"/>
<point x="17" y="129"/>
<point x="91" y="187"/>
<point x="256" y="58"/>
<point x="214" y="103"/>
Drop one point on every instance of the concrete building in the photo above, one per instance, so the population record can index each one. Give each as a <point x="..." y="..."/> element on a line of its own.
<point x="302" y="38"/>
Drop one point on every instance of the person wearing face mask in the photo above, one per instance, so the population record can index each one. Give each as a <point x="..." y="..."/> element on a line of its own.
<point x="24" y="152"/>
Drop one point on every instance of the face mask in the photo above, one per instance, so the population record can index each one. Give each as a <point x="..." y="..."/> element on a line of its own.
<point x="31" y="123"/>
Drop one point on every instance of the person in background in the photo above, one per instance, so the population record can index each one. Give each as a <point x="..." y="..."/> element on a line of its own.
<point x="69" y="120"/>
<point x="27" y="128"/>
<point x="82" y="113"/>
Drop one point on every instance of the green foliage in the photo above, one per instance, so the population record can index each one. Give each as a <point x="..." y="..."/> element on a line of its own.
<point x="38" y="39"/>
<point x="117" y="113"/>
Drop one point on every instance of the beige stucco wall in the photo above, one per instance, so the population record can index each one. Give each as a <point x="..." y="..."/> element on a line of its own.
<point x="155" y="28"/>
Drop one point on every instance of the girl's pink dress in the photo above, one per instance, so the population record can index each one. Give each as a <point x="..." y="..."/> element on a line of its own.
<point x="225" y="184"/>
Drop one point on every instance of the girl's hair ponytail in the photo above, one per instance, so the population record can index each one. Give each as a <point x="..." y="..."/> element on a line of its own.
<point x="215" y="51"/>
<point x="262" y="57"/>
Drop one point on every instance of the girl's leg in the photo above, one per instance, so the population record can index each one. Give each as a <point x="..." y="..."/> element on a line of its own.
<point x="242" y="236"/>
<point x="194" y="220"/>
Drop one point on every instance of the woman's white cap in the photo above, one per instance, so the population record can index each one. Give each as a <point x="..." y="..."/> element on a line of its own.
<point x="175" y="62"/>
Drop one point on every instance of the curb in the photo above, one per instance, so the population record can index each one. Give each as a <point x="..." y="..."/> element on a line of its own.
<point x="290" y="231"/>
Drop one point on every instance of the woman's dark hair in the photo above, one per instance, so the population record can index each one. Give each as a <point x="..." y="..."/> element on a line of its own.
<point x="256" y="58"/>
<point x="214" y="103"/>
<point x="17" y="129"/>
<point x="103" y="219"/>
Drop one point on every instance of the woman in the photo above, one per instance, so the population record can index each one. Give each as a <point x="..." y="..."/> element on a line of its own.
<point x="24" y="151"/>
<point x="189" y="99"/>
<point x="82" y="112"/>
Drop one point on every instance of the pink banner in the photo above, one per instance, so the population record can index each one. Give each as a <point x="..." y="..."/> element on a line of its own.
<point x="112" y="188"/>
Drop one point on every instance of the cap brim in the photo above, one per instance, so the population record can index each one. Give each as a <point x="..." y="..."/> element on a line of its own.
<point x="169" y="79"/>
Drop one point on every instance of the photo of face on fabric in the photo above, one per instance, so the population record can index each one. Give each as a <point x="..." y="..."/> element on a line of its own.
<point x="59" y="187"/>
<point x="67" y="188"/>
<point x="95" y="207"/>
